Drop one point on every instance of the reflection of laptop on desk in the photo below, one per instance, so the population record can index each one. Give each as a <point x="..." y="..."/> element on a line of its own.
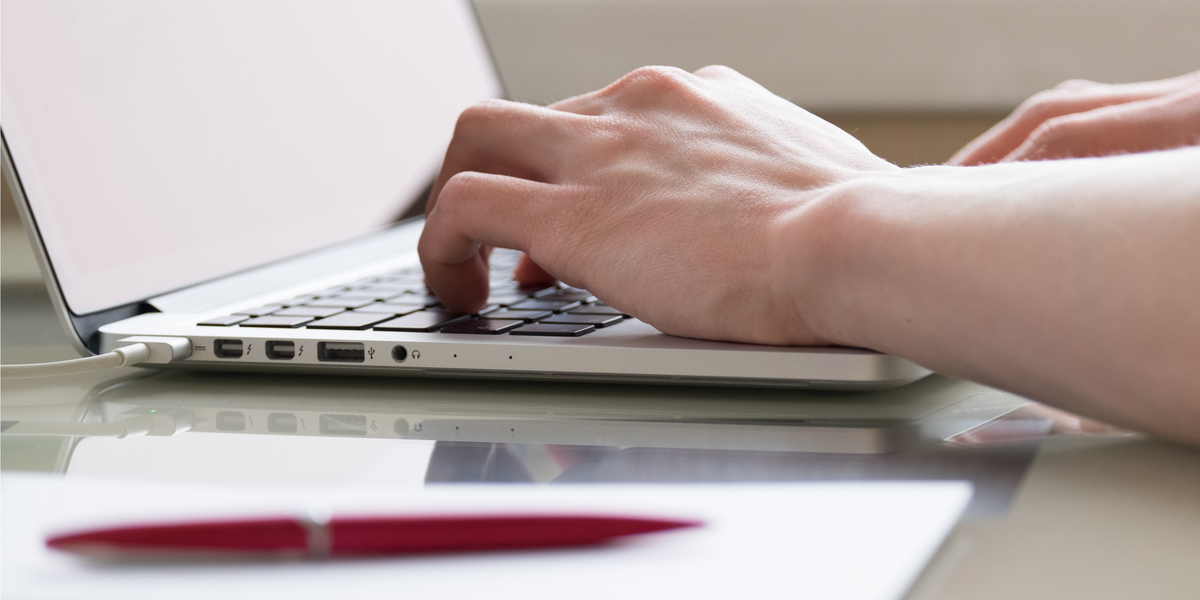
<point x="229" y="174"/>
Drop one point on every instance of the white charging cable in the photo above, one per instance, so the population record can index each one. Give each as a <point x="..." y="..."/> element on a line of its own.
<point x="126" y="352"/>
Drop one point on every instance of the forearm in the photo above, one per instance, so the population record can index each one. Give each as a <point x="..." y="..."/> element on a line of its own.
<point x="1073" y="282"/>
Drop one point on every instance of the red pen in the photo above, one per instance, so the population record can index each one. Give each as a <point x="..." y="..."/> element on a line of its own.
<point x="358" y="535"/>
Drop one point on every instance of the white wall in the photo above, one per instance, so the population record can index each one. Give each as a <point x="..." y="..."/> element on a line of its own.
<point x="968" y="55"/>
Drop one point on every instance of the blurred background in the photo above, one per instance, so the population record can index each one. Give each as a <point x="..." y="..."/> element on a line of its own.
<point x="913" y="79"/>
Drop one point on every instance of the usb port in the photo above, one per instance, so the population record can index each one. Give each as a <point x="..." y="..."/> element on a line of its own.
<point x="277" y="350"/>
<point x="231" y="420"/>
<point x="343" y="424"/>
<point x="281" y="423"/>
<point x="341" y="352"/>
<point x="227" y="348"/>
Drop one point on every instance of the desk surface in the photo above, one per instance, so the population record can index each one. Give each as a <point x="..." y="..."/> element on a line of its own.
<point x="1058" y="513"/>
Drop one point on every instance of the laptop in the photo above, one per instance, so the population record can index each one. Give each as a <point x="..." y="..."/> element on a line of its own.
<point x="236" y="173"/>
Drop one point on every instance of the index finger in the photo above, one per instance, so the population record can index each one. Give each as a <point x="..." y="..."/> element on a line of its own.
<point x="477" y="210"/>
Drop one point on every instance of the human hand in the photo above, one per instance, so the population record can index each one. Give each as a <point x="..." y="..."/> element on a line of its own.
<point x="661" y="194"/>
<point x="1082" y="118"/>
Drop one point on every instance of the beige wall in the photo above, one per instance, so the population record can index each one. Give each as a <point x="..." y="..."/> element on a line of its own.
<point x="843" y="55"/>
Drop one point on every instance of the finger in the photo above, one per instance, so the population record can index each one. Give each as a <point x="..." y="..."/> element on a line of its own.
<point x="477" y="210"/>
<point x="505" y="138"/>
<point x="1069" y="98"/>
<point x="529" y="273"/>
<point x="1156" y="124"/>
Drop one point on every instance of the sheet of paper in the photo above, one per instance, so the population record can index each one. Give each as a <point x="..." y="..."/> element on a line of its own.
<point x="865" y="541"/>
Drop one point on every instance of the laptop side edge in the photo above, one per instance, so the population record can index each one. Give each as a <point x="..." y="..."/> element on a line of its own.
<point x="83" y="331"/>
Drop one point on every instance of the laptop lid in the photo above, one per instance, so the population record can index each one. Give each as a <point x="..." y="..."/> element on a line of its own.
<point x="158" y="145"/>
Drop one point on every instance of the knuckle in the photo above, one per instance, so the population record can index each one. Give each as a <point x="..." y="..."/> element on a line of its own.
<point x="1075" y="84"/>
<point x="1059" y="100"/>
<point x="458" y="191"/>
<point x="482" y="112"/>
<point x="1044" y="106"/>
<point x="716" y="71"/>
<point x="1051" y="131"/>
<point x="660" y="79"/>
<point x="1041" y="102"/>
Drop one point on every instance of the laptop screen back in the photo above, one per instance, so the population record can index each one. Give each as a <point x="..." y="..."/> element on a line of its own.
<point x="163" y="144"/>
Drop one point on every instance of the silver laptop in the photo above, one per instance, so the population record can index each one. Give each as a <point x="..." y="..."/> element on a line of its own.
<point x="235" y="173"/>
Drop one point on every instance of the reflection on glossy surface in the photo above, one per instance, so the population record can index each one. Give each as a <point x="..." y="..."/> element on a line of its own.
<point x="995" y="472"/>
<point x="250" y="428"/>
<point x="620" y="415"/>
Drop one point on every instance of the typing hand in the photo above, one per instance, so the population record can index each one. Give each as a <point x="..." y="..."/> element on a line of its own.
<point x="1082" y="118"/>
<point x="662" y="194"/>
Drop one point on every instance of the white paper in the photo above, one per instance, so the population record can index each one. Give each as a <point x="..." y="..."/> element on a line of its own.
<point x="787" y="540"/>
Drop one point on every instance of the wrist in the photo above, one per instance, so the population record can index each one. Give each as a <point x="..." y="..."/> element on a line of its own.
<point x="833" y="257"/>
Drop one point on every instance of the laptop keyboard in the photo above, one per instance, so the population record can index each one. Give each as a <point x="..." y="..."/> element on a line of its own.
<point x="398" y="301"/>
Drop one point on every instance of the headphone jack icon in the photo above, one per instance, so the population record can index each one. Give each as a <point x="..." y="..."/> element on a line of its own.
<point x="416" y="354"/>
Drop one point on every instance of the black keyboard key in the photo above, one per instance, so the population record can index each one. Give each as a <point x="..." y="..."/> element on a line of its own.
<point x="260" y="311"/>
<point x="545" y="304"/>
<point x="597" y="320"/>
<point x="298" y="300"/>
<point x="420" y="321"/>
<point x="409" y="300"/>
<point x="595" y="310"/>
<point x="413" y="281"/>
<point x="554" y="329"/>
<point x="485" y="326"/>
<point x="307" y="311"/>
<point x="442" y="310"/>
<point x="224" y="321"/>
<point x="371" y="295"/>
<point x="429" y="299"/>
<point x="273" y="321"/>
<point x="350" y="320"/>
<point x="390" y="308"/>
<point x="422" y="299"/>
<point x="335" y="290"/>
<point x="528" y="316"/>
<point x="385" y="288"/>
<point x="506" y="297"/>
<point x="537" y="290"/>
<point x="340" y="302"/>
<point x="571" y="294"/>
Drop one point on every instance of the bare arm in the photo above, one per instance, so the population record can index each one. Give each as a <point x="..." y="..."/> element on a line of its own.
<point x="1073" y="282"/>
<point x="1076" y="282"/>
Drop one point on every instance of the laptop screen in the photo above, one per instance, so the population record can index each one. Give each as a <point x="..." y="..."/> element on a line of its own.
<point x="163" y="144"/>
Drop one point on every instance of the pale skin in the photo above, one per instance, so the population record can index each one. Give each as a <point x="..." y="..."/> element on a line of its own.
<point x="1073" y="282"/>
